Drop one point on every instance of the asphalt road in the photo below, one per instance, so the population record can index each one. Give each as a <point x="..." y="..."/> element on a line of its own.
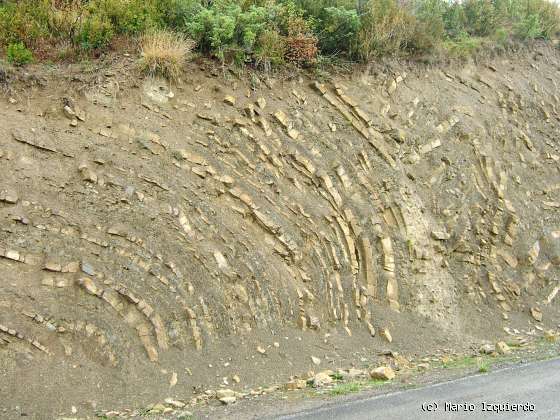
<point x="535" y="387"/>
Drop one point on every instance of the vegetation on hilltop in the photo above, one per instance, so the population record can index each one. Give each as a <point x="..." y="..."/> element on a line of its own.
<point x="268" y="33"/>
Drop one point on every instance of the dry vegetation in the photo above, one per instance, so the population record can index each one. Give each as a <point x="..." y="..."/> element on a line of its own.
<point x="163" y="53"/>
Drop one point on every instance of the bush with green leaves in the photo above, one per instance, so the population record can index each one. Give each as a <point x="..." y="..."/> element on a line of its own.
<point x="538" y="19"/>
<point x="481" y="17"/>
<point x="18" y="54"/>
<point x="338" y="30"/>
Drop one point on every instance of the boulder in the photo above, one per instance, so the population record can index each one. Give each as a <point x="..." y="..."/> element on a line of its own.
<point x="503" y="348"/>
<point x="384" y="373"/>
<point x="487" y="349"/>
<point x="322" y="379"/>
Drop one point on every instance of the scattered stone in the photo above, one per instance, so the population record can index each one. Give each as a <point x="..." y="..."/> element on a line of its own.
<point x="295" y="384"/>
<point x="48" y="281"/>
<point x="550" y="336"/>
<point x="87" y="268"/>
<point x="230" y="100"/>
<point x="175" y="403"/>
<point x="315" y="360"/>
<point x="322" y="379"/>
<point x="293" y="134"/>
<point x="533" y="253"/>
<point x="398" y="135"/>
<point x="392" y="86"/>
<point x="87" y="174"/>
<point x="173" y="380"/>
<point x="158" y="409"/>
<point x="89" y="286"/>
<point x="502" y="348"/>
<point x="69" y="112"/>
<point x="282" y="118"/>
<point x="351" y="373"/>
<point x="536" y="314"/>
<point x="226" y="396"/>
<point x="235" y="379"/>
<point x="384" y="373"/>
<point x="440" y="235"/>
<point x="385" y="333"/>
<point x="13" y="255"/>
<point x="261" y="350"/>
<point x="52" y="266"/>
<point x="261" y="102"/>
<point x="9" y="196"/>
<point x="487" y="349"/>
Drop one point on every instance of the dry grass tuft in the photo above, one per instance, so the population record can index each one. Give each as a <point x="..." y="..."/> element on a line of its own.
<point x="164" y="53"/>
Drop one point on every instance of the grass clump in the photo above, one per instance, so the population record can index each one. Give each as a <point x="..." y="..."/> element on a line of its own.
<point x="345" y="389"/>
<point x="18" y="54"/>
<point x="482" y="365"/>
<point x="163" y="53"/>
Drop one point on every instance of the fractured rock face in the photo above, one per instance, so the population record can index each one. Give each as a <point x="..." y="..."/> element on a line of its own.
<point x="317" y="209"/>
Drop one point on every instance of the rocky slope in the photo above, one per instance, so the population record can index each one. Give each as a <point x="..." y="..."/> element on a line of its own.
<point x="156" y="241"/>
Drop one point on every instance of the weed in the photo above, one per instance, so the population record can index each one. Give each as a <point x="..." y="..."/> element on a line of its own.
<point x="483" y="367"/>
<point x="460" y="363"/>
<point x="164" y="53"/>
<point x="337" y="377"/>
<point x="18" y="54"/>
<point x="344" y="389"/>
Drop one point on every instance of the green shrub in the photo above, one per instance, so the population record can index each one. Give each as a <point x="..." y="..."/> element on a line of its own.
<point x="25" y="21"/>
<point x="18" y="54"/>
<point x="271" y="49"/>
<point x="463" y="46"/>
<point x="530" y="27"/>
<point x="338" y="30"/>
<point x="539" y="19"/>
<point x="95" y="33"/>
<point x="455" y="20"/>
<point x="214" y="30"/>
<point x="481" y="17"/>
<point x="386" y="29"/>
<point x="178" y="12"/>
<point x="430" y="28"/>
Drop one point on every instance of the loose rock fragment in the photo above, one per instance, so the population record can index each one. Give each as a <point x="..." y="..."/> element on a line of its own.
<point x="230" y="100"/>
<point x="503" y="348"/>
<point x="9" y="196"/>
<point x="384" y="373"/>
<point x="87" y="173"/>
<point x="487" y="349"/>
<point x="295" y="384"/>
<point x="322" y="379"/>
<point x="387" y="335"/>
<point x="536" y="314"/>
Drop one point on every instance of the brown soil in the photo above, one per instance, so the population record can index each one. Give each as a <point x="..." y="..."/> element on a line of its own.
<point x="163" y="230"/>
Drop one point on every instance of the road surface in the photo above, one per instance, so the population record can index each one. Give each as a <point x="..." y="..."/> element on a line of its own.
<point x="523" y="392"/>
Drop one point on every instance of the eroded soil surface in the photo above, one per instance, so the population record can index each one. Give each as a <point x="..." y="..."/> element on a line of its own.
<point x="234" y="231"/>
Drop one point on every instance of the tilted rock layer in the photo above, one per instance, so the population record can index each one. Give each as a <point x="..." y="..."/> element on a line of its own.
<point x="148" y="228"/>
